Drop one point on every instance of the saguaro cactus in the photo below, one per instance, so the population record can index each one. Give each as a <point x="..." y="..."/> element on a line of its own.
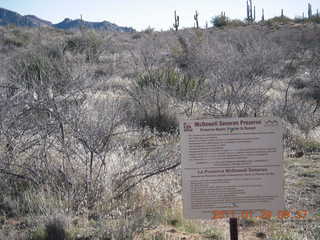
<point x="248" y="11"/>
<point x="176" y="21"/>
<point x="262" y="17"/>
<point x="250" y="14"/>
<point x="196" y="15"/>
<point x="309" y="11"/>
<point x="282" y="15"/>
<point x="81" y="23"/>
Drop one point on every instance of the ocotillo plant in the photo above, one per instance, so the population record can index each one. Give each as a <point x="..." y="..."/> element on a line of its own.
<point x="176" y="21"/>
<point x="254" y="13"/>
<point x="196" y="15"/>
<point x="309" y="11"/>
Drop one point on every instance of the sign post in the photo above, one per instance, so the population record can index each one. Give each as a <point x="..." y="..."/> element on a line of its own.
<point x="233" y="166"/>
<point x="233" y="222"/>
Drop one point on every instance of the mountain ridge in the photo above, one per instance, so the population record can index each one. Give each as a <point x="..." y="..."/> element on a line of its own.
<point x="8" y="17"/>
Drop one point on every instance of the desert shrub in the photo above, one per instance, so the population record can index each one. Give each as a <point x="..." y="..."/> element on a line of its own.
<point x="40" y="106"/>
<point x="153" y="95"/>
<point x="16" y="38"/>
<point x="236" y="23"/>
<point x="238" y="81"/>
<point x="172" y="81"/>
<point x="192" y="58"/>
<point x="124" y="229"/>
<point x="136" y="36"/>
<point x="149" y="30"/>
<point x="55" y="229"/>
<point x="220" y="21"/>
<point x="299" y="20"/>
<point x="13" y="42"/>
<point x="299" y="143"/>
<point x="277" y="20"/>
<point x="38" y="234"/>
<point x="315" y="19"/>
<point x="89" y="44"/>
<point x="42" y="68"/>
<point x="173" y="217"/>
<point x="8" y="207"/>
<point x="316" y="233"/>
<point x="308" y="145"/>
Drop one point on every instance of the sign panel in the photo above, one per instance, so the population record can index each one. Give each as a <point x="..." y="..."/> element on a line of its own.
<point x="231" y="164"/>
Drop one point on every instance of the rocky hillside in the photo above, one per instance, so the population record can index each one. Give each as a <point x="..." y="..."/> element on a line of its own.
<point x="105" y="25"/>
<point x="8" y="17"/>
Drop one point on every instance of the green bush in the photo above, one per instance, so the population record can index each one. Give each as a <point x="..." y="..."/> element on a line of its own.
<point x="220" y="21"/>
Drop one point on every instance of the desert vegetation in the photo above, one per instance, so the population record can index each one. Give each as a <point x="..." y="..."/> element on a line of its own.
<point x="89" y="139"/>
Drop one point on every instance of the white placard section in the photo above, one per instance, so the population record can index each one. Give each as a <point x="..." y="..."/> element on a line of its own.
<point x="231" y="164"/>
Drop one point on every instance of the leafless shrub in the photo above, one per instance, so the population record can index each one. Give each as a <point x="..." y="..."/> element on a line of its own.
<point x="93" y="128"/>
<point x="40" y="91"/>
<point x="241" y="79"/>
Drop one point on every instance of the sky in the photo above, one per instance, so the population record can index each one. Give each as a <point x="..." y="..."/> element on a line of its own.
<point x="158" y="14"/>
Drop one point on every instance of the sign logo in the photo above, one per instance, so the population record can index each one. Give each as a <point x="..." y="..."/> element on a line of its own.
<point x="187" y="127"/>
